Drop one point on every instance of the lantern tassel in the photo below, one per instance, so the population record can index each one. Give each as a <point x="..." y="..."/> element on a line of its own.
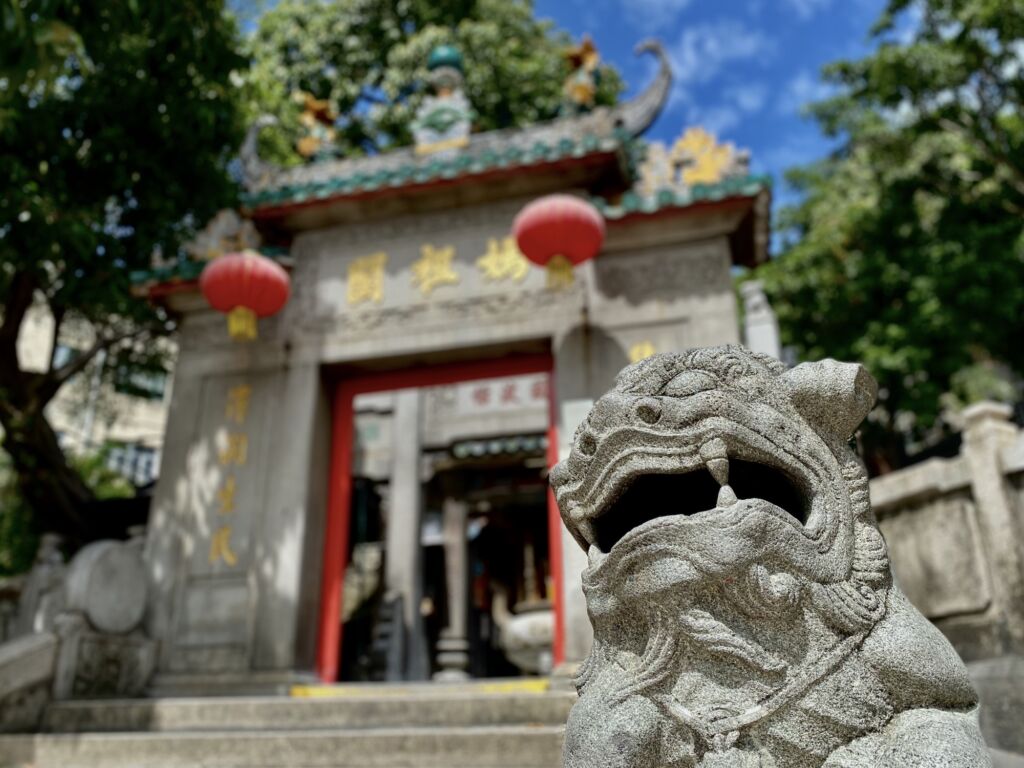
<point x="560" y="273"/>
<point x="242" y="324"/>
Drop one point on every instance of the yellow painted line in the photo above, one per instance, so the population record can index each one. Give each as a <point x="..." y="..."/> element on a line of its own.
<point x="526" y="685"/>
<point x="529" y="685"/>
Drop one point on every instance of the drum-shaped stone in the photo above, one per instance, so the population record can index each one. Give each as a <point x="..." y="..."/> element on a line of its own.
<point x="106" y="581"/>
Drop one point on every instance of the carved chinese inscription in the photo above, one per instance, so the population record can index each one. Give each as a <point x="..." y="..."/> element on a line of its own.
<point x="366" y="279"/>
<point x="743" y="607"/>
<point x="503" y="261"/>
<point x="434" y="269"/>
<point x="233" y="453"/>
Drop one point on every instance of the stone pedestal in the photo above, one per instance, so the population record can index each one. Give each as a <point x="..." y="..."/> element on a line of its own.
<point x="92" y="665"/>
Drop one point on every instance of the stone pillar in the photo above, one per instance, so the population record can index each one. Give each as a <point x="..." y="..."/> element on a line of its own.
<point x="587" y="360"/>
<point x="760" y="326"/>
<point x="453" y="646"/>
<point x="404" y="553"/>
<point x="283" y="528"/>
<point x="579" y="635"/>
<point x="988" y="431"/>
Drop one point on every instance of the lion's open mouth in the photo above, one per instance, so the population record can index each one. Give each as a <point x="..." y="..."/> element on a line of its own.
<point x="651" y="496"/>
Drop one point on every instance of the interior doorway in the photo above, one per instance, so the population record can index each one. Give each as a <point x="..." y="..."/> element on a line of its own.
<point x="499" y="499"/>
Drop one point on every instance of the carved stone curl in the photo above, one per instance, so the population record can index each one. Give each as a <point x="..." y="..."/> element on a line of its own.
<point x="743" y="608"/>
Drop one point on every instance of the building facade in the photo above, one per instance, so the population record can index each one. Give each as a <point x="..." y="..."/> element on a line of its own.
<point x="99" y="411"/>
<point x="361" y="492"/>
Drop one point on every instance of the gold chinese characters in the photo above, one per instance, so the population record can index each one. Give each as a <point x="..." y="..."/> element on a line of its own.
<point x="503" y="260"/>
<point x="232" y="454"/>
<point x="366" y="278"/>
<point x="434" y="269"/>
<point x="438" y="266"/>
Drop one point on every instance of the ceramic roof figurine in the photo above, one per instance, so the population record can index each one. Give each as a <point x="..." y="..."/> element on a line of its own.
<point x="743" y="608"/>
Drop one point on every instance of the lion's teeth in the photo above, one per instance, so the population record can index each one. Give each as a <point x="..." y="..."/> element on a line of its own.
<point x="719" y="469"/>
<point x="726" y="497"/>
<point x="715" y="448"/>
<point x="715" y="455"/>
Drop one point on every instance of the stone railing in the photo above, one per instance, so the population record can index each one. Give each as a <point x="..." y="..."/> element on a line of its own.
<point x="955" y="531"/>
<point x="76" y="631"/>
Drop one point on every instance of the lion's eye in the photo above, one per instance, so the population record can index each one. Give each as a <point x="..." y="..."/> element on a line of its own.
<point x="587" y="444"/>
<point x="690" y="383"/>
<point x="649" y="411"/>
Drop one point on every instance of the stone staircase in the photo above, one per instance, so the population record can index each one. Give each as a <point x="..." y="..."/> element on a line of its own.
<point x="384" y="726"/>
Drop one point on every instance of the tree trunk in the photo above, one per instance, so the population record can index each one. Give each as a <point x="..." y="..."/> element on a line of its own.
<point x="53" y="490"/>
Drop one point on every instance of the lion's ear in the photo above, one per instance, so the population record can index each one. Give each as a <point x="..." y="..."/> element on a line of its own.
<point x="832" y="395"/>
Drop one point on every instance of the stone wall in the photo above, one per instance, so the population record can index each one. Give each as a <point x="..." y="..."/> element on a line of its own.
<point x="954" y="529"/>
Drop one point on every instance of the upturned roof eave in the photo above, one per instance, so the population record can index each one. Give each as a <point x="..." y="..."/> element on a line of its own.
<point x="607" y="128"/>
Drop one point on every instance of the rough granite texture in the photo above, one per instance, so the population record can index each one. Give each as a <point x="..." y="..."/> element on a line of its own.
<point x="743" y="608"/>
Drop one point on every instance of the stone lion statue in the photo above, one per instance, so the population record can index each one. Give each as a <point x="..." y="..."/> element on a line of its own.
<point x="743" y="608"/>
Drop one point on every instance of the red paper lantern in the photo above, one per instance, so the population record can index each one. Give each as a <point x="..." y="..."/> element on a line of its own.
<point x="245" y="285"/>
<point x="559" y="226"/>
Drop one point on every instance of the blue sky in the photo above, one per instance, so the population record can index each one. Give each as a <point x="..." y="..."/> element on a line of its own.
<point x="743" y="68"/>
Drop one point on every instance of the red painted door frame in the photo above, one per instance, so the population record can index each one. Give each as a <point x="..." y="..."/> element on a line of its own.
<point x="339" y="495"/>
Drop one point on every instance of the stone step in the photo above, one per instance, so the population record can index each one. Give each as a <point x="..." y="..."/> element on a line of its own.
<point x="508" y="746"/>
<point x="382" y="707"/>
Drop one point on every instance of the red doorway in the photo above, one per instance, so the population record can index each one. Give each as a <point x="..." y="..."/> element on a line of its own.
<point x="339" y="497"/>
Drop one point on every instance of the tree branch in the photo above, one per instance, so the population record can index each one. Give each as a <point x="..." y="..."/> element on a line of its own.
<point x="54" y="380"/>
<point x="58" y="313"/>
<point x="993" y="154"/>
<point x="23" y="286"/>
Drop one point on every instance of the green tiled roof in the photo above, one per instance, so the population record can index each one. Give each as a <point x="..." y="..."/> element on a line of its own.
<point x="633" y="202"/>
<point x="422" y="170"/>
<point x="186" y="269"/>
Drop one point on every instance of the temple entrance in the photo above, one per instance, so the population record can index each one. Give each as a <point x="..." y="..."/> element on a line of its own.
<point x="437" y="562"/>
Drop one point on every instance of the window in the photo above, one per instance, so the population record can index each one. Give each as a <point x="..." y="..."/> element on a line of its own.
<point x="137" y="463"/>
<point x="145" y="384"/>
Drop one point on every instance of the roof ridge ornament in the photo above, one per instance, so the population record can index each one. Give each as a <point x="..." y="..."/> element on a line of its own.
<point x="636" y="115"/>
<point x="593" y="131"/>
<point x="444" y="118"/>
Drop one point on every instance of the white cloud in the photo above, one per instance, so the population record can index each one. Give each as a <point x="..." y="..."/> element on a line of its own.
<point x="805" y="9"/>
<point x="803" y="89"/>
<point x="749" y="97"/>
<point x="739" y="102"/>
<point x="703" y="50"/>
<point x="653" y="15"/>
<point x="718" y="118"/>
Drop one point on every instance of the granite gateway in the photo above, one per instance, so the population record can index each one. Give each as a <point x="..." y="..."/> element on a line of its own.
<point x="743" y="608"/>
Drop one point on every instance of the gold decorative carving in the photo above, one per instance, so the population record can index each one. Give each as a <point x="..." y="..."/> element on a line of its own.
<point x="434" y="268"/>
<point x="702" y="159"/>
<point x="696" y="157"/>
<point x="641" y="351"/>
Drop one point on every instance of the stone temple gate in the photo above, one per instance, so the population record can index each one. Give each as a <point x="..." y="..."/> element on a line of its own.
<point x="405" y="277"/>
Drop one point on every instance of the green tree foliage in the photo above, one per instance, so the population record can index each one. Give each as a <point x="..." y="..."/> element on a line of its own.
<point x="118" y="149"/>
<point x="906" y="251"/>
<point x="35" y="41"/>
<point x="368" y="58"/>
<point x="19" y="538"/>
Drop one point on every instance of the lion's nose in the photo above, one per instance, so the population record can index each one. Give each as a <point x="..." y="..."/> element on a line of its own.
<point x="559" y="475"/>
